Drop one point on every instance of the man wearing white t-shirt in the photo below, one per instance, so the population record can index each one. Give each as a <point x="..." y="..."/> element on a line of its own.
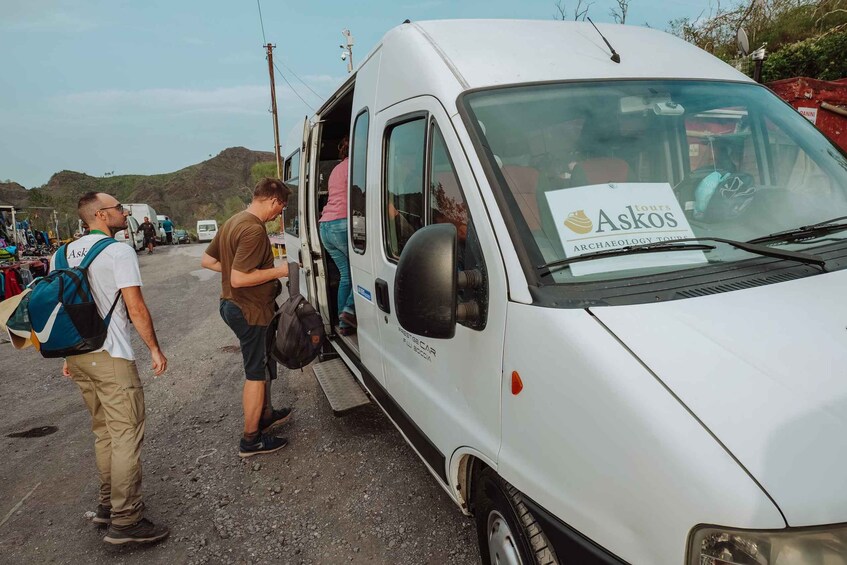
<point x="108" y="378"/>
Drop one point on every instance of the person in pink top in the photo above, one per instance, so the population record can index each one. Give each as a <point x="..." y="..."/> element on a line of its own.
<point x="333" y="230"/>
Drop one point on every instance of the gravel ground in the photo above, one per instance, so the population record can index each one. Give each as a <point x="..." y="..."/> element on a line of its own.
<point x="345" y="490"/>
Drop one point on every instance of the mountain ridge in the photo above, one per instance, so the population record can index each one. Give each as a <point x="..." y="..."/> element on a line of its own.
<point x="214" y="188"/>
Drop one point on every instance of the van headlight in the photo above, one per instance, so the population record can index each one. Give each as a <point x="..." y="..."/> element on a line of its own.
<point x="713" y="545"/>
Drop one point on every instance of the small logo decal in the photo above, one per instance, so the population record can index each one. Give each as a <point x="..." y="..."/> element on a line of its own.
<point x="578" y="222"/>
<point x="364" y="293"/>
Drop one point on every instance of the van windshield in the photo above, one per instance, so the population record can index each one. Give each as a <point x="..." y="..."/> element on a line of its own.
<point x="586" y="167"/>
<point x="206" y="227"/>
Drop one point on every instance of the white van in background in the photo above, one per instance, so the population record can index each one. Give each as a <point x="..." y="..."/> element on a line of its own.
<point x="132" y="236"/>
<point x="601" y="295"/>
<point x="140" y="211"/>
<point x="206" y="230"/>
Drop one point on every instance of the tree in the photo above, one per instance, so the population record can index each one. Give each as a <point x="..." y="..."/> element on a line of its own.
<point x="619" y="14"/>
<point x="580" y="12"/>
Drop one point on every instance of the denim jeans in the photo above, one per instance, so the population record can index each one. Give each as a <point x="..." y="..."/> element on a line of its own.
<point x="334" y="238"/>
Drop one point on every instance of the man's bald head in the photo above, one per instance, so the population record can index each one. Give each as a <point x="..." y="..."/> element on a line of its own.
<point x="88" y="205"/>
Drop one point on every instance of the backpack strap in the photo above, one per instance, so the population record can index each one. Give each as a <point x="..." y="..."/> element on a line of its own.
<point x="293" y="278"/>
<point x="95" y="250"/>
<point x="270" y="336"/>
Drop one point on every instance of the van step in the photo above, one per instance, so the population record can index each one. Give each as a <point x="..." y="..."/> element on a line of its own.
<point x="340" y="386"/>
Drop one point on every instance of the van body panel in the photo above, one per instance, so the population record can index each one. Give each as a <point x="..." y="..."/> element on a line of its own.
<point x="607" y="448"/>
<point x="412" y="67"/>
<point x="314" y="266"/>
<point x="764" y="369"/>
<point x="362" y="263"/>
<point x="450" y="388"/>
<point x="537" y="51"/>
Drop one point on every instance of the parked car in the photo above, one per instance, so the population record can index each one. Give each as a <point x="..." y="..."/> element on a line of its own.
<point x="181" y="236"/>
<point x="599" y="293"/>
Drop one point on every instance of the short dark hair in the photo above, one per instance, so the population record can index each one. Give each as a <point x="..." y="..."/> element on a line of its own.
<point x="271" y="188"/>
<point x="343" y="147"/>
<point x="87" y="205"/>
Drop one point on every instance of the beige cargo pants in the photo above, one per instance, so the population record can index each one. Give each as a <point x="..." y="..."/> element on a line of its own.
<point x="114" y="396"/>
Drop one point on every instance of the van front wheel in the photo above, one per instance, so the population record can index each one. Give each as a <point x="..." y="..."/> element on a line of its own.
<point x="507" y="531"/>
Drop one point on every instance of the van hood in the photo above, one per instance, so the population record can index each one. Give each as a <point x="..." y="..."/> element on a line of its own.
<point x="765" y="370"/>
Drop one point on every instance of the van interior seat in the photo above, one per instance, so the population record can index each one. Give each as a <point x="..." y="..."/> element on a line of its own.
<point x="600" y="170"/>
<point x="524" y="183"/>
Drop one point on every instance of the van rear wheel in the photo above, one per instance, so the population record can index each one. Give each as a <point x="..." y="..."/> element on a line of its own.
<point x="507" y="531"/>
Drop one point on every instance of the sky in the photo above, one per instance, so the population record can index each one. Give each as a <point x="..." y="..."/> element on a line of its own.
<point x="152" y="86"/>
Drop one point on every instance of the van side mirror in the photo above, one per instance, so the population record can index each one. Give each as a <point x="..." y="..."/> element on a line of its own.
<point x="426" y="282"/>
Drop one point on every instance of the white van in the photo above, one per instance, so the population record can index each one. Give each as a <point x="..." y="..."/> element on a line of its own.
<point x="206" y="230"/>
<point x="617" y="333"/>
<point x="141" y="211"/>
<point x="132" y="236"/>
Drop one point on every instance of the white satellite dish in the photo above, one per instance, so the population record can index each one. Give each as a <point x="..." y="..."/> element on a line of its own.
<point x="742" y="41"/>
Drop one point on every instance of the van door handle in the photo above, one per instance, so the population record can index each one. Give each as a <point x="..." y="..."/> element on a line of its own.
<point x="381" y="288"/>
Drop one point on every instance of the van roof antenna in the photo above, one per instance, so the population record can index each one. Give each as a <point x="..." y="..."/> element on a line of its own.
<point x="615" y="57"/>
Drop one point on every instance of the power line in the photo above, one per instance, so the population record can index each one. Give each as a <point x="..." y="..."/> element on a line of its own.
<point x="282" y="76"/>
<point x="301" y="80"/>
<point x="261" y="21"/>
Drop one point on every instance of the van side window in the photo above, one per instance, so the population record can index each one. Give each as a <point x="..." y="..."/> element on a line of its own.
<point x="291" y="175"/>
<point x="358" y="179"/>
<point x="404" y="183"/>
<point x="447" y="204"/>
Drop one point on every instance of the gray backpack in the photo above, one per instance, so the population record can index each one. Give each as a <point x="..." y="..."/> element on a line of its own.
<point x="296" y="333"/>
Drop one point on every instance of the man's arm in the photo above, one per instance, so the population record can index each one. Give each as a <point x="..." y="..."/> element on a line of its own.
<point x="238" y="279"/>
<point x="209" y="262"/>
<point x="143" y="322"/>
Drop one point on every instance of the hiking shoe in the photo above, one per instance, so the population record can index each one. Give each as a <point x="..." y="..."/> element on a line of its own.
<point x="265" y="443"/>
<point x="277" y="418"/>
<point x="143" y="531"/>
<point x="349" y="318"/>
<point x="103" y="516"/>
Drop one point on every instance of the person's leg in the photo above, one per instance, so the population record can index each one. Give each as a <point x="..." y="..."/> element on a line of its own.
<point x="253" y="401"/>
<point x="334" y="238"/>
<point x="253" y="353"/>
<point x="103" y="440"/>
<point x="121" y="396"/>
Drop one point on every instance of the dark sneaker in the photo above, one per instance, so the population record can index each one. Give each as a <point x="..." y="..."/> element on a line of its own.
<point x="277" y="418"/>
<point x="143" y="531"/>
<point x="103" y="516"/>
<point x="265" y="443"/>
<point x="349" y="319"/>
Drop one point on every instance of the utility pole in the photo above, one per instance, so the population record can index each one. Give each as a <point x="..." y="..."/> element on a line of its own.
<point x="347" y="50"/>
<point x="273" y="110"/>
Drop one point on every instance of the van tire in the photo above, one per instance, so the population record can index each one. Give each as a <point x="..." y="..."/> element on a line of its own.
<point x="491" y="494"/>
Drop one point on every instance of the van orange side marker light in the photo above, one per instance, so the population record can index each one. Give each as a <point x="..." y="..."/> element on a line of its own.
<point x="517" y="383"/>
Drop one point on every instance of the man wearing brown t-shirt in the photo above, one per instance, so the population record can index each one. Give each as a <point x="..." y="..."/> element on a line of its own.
<point x="241" y="252"/>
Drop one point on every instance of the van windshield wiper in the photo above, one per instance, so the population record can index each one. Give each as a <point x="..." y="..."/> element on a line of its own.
<point x="688" y="244"/>
<point x="803" y="232"/>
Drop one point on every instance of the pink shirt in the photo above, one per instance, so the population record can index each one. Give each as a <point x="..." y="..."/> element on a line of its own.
<point x="336" y="205"/>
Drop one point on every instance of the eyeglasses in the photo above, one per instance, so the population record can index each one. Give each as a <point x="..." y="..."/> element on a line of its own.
<point x="118" y="207"/>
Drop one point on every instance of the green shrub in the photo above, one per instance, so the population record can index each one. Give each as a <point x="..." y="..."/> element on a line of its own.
<point x="821" y="58"/>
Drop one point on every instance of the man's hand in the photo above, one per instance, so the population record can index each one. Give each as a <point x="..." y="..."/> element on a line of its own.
<point x="65" y="371"/>
<point x="160" y="362"/>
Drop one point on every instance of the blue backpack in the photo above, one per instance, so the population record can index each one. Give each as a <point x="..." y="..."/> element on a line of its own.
<point x="62" y="311"/>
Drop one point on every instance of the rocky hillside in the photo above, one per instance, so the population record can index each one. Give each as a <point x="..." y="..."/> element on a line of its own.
<point x="13" y="193"/>
<point x="212" y="189"/>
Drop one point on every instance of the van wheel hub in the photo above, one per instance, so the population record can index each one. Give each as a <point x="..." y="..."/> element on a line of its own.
<point x="502" y="546"/>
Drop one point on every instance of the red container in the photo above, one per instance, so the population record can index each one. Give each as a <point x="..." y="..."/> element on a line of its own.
<point x="824" y="103"/>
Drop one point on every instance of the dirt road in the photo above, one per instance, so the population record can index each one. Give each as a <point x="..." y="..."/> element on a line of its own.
<point x="344" y="490"/>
